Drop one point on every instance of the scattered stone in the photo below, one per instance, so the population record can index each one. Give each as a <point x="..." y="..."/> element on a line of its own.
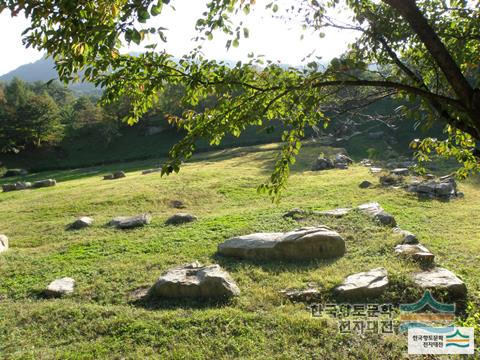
<point x="429" y="176"/>
<point x="343" y="159"/>
<point x="81" y="223"/>
<point x="181" y="218"/>
<point x="294" y="213"/>
<point x="3" y="243"/>
<point x="443" y="188"/>
<point x="129" y="222"/>
<point x="15" y="172"/>
<point x="322" y="164"/>
<point x="407" y="236"/>
<point x="60" y="287"/>
<point x="363" y="285"/>
<point x="376" y="170"/>
<point x="20" y="185"/>
<point x="307" y="295"/>
<point x="365" y="184"/>
<point x="301" y="244"/>
<point x="375" y="211"/>
<point x="391" y="180"/>
<point x="115" y="175"/>
<point x="366" y="162"/>
<point x="335" y="212"/>
<point x="417" y="252"/>
<point x="177" y="204"/>
<point x="341" y="166"/>
<point x="44" y="183"/>
<point x="400" y="171"/>
<point x="151" y="171"/>
<point x="440" y="278"/>
<point x="195" y="281"/>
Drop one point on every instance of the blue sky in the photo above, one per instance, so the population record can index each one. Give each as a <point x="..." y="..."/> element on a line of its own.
<point x="270" y="37"/>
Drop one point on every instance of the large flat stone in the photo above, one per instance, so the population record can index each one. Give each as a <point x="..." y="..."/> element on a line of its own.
<point x="44" y="183"/>
<point x="440" y="278"/>
<point x="3" y="243"/>
<point x="416" y="252"/>
<point x="340" y="212"/>
<point x="60" y="287"/>
<point x="195" y="281"/>
<point x="81" y="222"/>
<point x="129" y="222"/>
<point x="301" y="244"/>
<point x="363" y="285"/>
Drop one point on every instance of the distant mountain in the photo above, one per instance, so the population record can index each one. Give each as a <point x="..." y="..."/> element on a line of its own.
<point x="44" y="70"/>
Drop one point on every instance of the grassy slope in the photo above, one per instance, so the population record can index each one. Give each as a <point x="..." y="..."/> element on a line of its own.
<point x="102" y="321"/>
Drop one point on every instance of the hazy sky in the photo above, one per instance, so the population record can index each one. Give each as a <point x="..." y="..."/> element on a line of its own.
<point x="270" y="37"/>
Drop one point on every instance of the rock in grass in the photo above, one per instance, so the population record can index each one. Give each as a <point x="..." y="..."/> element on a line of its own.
<point x="294" y="213"/>
<point x="363" y="285"/>
<point x="60" y="287"/>
<point x="195" y="281"/>
<point x="301" y="244"/>
<point x="443" y="279"/>
<point x="416" y="252"/>
<point x="365" y="184"/>
<point x="340" y="212"/>
<point x="400" y="171"/>
<point x="376" y="170"/>
<point x="376" y="212"/>
<point x="20" y="185"/>
<point x="407" y="236"/>
<point x="322" y="164"/>
<point x="115" y="175"/>
<point x="130" y="222"/>
<point x="81" y="222"/>
<point x="151" y="171"/>
<point x="3" y="243"/>
<point x="177" y="204"/>
<point x="181" y="218"/>
<point x="44" y="183"/>
<point x="306" y="295"/>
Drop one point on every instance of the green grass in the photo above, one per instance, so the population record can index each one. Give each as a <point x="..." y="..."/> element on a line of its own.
<point x="103" y="320"/>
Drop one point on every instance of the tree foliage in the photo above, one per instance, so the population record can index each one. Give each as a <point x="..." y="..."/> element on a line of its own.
<point x="425" y="52"/>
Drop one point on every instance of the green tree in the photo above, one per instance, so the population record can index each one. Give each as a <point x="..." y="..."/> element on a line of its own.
<point x="425" y="52"/>
<point x="37" y="120"/>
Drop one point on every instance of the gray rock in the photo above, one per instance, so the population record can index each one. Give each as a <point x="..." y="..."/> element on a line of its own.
<point x="440" y="278"/>
<point x="195" y="281"/>
<point x="416" y="252"/>
<point x="177" y="204"/>
<point x="365" y="184"/>
<point x="81" y="223"/>
<point x="391" y="180"/>
<point x="444" y="188"/>
<point x="60" y="287"/>
<point x="180" y="218"/>
<point x="306" y="295"/>
<point x="400" y="171"/>
<point x="407" y="236"/>
<point x="375" y="211"/>
<point x="376" y="170"/>
<point x="129" y="222"/>
<point x="301" y="244"/>
<point x="294" y="213"/>
<point x="44" y="183"/>
<point x="363" y="285"/>
<point x="340" y="212"/>
<point x="341" y="166"/>
<point x="151" y="171"/>
<point x="343" y="159"/>
<point x="429" y="176"/>
<point x="115" y="175"/>
<point x="20" y="185"/>
<point x="3" y="243"/>
<point x="322" y="164"/>
<point x="366" y="162"/>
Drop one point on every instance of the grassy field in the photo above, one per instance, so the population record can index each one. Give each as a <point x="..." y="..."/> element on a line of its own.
<point x="102" y="319"/>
